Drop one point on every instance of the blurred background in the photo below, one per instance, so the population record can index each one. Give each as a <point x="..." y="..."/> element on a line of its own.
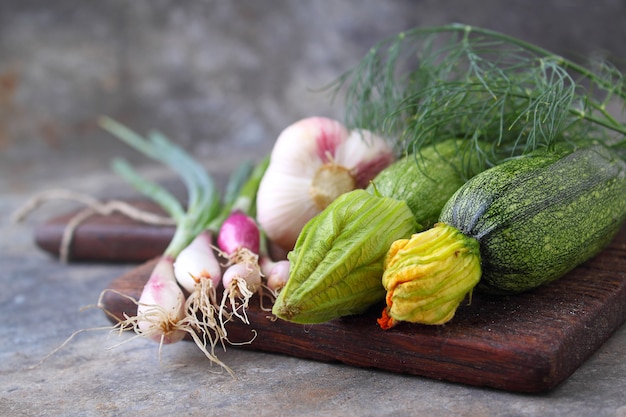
<point x="221" y="78"/>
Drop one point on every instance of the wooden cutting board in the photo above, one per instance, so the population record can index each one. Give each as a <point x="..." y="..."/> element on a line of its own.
<point x="525" y="343"/>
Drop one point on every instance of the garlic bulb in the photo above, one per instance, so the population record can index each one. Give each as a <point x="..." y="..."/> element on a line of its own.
<point x="314" y="161"/>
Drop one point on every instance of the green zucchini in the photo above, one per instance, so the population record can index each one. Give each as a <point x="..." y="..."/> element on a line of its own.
<point x="428" y="179"/>
<point x="538" y="217"/>
<point x="337" y="261"/>
<point x="509" y="229"/>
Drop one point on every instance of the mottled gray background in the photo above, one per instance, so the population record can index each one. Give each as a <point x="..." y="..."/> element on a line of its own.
<point x="222" y="78"/>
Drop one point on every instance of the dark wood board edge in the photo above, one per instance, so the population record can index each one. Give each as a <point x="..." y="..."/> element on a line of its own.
<point x="525" y="343"/>
<point x="107" y="238"/>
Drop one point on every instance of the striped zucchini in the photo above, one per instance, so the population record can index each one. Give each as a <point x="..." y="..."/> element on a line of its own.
<point x="427" y="180"/>
<point x="538" y="217"/>
<point x="513" y="227"/>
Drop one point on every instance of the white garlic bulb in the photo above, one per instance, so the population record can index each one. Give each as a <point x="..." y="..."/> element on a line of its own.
<point x="313" y="162"/>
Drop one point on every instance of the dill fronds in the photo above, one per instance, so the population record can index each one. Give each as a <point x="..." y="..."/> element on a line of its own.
<point x="427" y="85"/>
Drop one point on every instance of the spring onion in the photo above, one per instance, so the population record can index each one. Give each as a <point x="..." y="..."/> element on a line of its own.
<point x="164" y="313"/>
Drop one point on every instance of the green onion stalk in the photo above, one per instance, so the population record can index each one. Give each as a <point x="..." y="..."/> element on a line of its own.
<point x="179" y="297"/>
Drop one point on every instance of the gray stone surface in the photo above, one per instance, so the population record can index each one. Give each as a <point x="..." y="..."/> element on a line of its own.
<point x="222" y="78"/>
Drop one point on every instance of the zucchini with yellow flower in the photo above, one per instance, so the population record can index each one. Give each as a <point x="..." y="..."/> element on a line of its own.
<point x="509" y="229"/>
<point x="337" y="261"/>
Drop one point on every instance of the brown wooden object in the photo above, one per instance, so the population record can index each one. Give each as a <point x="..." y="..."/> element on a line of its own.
<point x="114" y="238"/>
<point x="525" y="343"/>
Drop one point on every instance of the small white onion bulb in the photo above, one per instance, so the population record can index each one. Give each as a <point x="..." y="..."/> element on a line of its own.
<point x="314" y="161"/>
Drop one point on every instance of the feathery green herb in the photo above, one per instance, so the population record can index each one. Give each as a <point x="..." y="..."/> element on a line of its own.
<point x="430" y="84"/>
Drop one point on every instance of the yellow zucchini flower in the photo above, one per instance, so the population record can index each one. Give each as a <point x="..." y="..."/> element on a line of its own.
<point x="427" y="276"/>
